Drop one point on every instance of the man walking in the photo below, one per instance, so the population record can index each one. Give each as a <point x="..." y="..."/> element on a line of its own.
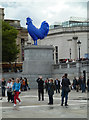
<point x="65" y="89"/>
<point x="40" y="88"/>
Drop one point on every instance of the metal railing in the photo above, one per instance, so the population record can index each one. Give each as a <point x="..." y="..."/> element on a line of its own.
<point x="71" y="65"/>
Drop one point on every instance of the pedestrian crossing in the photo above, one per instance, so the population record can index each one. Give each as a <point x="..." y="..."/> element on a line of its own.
<point x="71" y="102"/>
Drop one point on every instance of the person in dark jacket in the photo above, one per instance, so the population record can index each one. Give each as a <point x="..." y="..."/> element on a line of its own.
<point x="3" y="87"/>
<point x="50" y="91"/>
<point x="74" y="83"/>
<point x="57" y="85"/>
<point x="88" y="84"/>
<point x="80" y="83"/>
<point x="83" y="85"/>
<point x="40" y="88"/>
<point x="65" y="86"/>
<point x="46" y="85"/>
<point x="77" y="85"/>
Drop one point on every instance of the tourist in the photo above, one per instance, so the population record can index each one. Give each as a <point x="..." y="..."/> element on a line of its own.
<point x="23" y="85"/>
<point x="3" y="83"/>
<point x="88" y="84"/>
<point x="46" y="84"/>
<point x="77" y="85"/>
<point x="13" y="81"/>
<point x="57" y="85"/>
<point x="74" y="83"/>
<point x="80" y="82"/>
<point x="50" y="91"/>
<point x="83" y="86"/>
<point x="9" y="90"/>
<point x="26" y="83"/>
<point x="16" y="89"/>
<point x="40" y="88"/>
<point x="65" y="90"/>
<point x="21" y="81"/>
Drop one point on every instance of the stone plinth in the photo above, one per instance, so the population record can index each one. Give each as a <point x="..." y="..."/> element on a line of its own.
<point x="38" y="60"/>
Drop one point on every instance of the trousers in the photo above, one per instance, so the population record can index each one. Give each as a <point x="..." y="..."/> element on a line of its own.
<point x="16" y="97"/>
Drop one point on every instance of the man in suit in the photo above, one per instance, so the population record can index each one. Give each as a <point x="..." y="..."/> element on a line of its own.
<point x="40" y="88"/>
<point x="57" y="85"/>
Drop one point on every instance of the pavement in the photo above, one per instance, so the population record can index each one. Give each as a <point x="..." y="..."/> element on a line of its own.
<point x="32" y="108"/>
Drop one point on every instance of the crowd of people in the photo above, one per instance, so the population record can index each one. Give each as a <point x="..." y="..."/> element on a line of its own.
<point x="52" y="85"/>
<point x="63" y="86"/>
<point x="78" y="84"/>
<point x="14" y="88"/>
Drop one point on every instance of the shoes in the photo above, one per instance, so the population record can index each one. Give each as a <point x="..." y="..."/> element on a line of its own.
<point x="66" y="105"/>
<point x="61" y="104"/>
<point x="19" y="103"/>
<point x="0" y="98"/>
<point x="14" y="105"/>
<point x="50" y="103"/>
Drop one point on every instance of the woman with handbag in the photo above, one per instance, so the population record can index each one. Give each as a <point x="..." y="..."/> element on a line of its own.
<point x="16" y="89"/>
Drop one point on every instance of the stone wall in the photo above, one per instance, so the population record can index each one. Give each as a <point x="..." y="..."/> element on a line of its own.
<point x="57" y="72"/>
<point x="73" y="69"/>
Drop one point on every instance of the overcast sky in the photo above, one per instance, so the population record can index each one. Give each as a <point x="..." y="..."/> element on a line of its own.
<point x="40" y="10"/>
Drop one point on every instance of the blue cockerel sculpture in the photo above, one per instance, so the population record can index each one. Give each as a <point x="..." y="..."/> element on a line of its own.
<point x="36" y="33"/>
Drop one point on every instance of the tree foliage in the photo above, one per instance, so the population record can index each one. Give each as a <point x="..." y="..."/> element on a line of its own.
<point x="9" y="47"/>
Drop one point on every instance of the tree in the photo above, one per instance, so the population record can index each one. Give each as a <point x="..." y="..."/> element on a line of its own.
<point x="9" y="47"/>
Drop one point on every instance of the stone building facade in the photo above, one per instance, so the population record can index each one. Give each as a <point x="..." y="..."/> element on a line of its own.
<point x="63" y="39"/>
<point x="65" y="46"/>
<point x="22" y="36"/>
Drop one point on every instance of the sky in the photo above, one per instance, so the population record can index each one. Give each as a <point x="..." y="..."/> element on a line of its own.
<point x="39" y="10"/>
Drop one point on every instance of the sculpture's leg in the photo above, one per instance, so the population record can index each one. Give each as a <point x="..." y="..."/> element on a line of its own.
<point x="36" y="42"/>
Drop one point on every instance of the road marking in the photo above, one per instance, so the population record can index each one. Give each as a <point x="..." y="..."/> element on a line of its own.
<point x="35" y="106"/>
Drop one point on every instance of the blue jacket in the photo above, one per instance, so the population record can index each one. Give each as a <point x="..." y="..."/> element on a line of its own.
<point x="16" y="87"/>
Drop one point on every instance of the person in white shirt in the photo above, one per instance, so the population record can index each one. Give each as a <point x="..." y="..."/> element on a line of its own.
<point x="9" y="90"/>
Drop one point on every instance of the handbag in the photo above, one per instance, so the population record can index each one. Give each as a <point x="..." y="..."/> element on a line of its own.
<point x="67" y="89"/>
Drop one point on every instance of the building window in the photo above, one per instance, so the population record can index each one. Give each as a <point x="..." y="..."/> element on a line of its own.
<point x="56" y="54"/>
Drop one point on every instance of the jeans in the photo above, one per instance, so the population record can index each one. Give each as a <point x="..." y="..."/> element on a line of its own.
<point x="64" y="94"/>
<point x="3" y="91"/>
<point x="57" y="88"/>
<point x="83" y="87"/>
<point x="50" y="99"/>
<point x="9" y="94"/>
<point x="41" y="92"/>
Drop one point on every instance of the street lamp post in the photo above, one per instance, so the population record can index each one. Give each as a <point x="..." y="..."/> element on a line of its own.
<point x="70" y="53"/>
<point x="75" y="38"/>
<point x="79" y="43"/>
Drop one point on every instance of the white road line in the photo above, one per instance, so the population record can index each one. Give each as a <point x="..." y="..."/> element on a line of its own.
<point x="35" y="106"/>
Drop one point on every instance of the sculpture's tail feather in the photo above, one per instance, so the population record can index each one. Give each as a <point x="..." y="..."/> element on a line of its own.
<point x="45" y="26"/>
